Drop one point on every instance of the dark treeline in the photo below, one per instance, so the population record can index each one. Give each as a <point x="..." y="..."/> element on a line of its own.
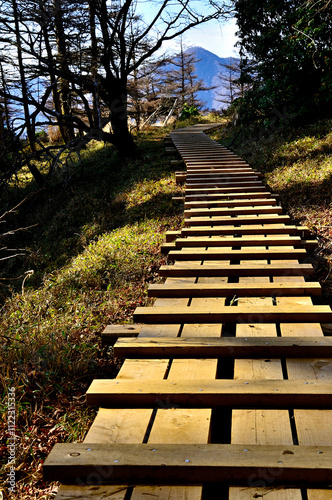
<point x="286" y="53"/>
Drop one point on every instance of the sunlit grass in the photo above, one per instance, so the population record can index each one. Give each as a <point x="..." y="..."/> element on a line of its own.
<point x="94" y="252"/>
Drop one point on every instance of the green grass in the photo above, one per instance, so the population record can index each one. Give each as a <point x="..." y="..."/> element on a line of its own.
<point x="297" y="164"/>
<point x="95" y="249"/>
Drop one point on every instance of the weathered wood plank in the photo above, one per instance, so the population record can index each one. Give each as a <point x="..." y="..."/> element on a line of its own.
<point x="224" y="347"/>
<point x="227" y="241"/>
<point x="162" y="464"/>
<point x="253" y="269"/>
<point x="247" y="210"/>
<point x="223" y="190"/>
<point x="207" y="183"/>
<point x="239" y="314"/>
<point x="200" y="198"/>
<point x="234" y="289"/>
<point x="243" y="220"/>
<point x="237" y="202"/>
<point x="220" y="230"/>
<point x="245" y="253"/>
<point x="112" y="332"/>
<point x="207" y="393"/>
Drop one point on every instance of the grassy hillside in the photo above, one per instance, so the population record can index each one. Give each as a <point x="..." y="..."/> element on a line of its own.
<point x="94" y="250"/>
<point x="297" y="164"/>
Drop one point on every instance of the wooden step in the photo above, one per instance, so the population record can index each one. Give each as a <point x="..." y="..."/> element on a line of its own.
<point x="223" y="184"/>
<point x="221" y="169"/>
<point x="224" y="347"/>
<point x="214" y="174"/>
<point x="189" y="464"/>
<point x="227" y="314"/>
<point x="246" y="253"/>
<point x="112" y="332"/>
<point x="238" y="210"/>
<point x="256" y="289"/>
<point x="276" y="394"/>
<point x="206" y="198"/>
<point x="167" y="247"/>
<point x="229" y="203"/>
<point x="266" y="229"/>
<point x="212" y="270"/>
<point x="223" y="190"/>
<point x="217" y="221"/>
<point x="229" y="241"/>
<point x="172" y="235"/>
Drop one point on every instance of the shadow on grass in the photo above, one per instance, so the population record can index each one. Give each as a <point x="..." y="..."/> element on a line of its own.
<point x="70" y="216"/>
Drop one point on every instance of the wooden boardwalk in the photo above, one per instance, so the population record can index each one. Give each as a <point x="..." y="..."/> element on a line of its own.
<point x="226" y="389"/>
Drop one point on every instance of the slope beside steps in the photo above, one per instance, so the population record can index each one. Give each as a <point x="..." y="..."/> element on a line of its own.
<point x="226" y="389"/>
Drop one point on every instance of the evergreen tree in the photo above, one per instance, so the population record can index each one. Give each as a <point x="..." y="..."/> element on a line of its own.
<point x="286" y="46"/>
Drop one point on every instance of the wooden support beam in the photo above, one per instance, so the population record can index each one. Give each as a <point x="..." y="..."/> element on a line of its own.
<point x="274" y="394"/>
<point x="224" y="347"/>
<point x="189" y="464"/>
<point x="263" y="289"/>
<point x="211" y="270"/>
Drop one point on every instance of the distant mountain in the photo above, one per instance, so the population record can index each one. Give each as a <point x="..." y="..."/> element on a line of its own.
<point x="208" y="69"/>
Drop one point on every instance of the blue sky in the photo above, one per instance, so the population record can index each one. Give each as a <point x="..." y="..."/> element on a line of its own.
<point x="213" y="36"/>
<point x="217" y="37"/>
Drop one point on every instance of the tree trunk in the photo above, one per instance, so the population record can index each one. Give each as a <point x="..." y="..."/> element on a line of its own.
<point x="30" y="132"/>
<point x="64" y="88"/>
<point x="122" y="139"/>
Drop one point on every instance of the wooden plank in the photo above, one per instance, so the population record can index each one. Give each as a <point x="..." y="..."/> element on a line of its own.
<point x="312" y="426"/>
<point x="209" y="173"/>
<point x="217" y="230"/>
<point x="221" y="169"/>
<point x="238" y="210"/>
<point x="237" y="202"/>
<point x="265" y="427"/>
<point x="207" y="393"/>
<point x="162" y="464"/>
<point x="142" y="464"/>
<point x="240" y="314"/>
<point x="253" y="269"/>
<point x="223" y="184"/>
<point x="220" y="178"/>
<point x="112" y="332"/>
<point x="224" y="347"/>
<point x="245" y="253"/>
<point x="222" y="190"/>
<point x="243" y="220"/>
<point x="237" y="241"/>
<point x="234" y="289"/>
<point x="199" y="198"/>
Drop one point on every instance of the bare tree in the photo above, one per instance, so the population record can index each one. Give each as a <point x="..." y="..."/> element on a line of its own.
<point x="229" y="77"/>
<point x="112" y="43"/>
